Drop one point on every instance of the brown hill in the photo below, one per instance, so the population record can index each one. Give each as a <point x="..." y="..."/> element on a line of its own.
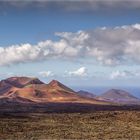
<point x="34" y="90"/>
<point x="21" y="81"/>
<point x="119" y="96"/>
<point x="57" y="85"/>
<point x="8" y="85"/>
<point x="86" y="94"/>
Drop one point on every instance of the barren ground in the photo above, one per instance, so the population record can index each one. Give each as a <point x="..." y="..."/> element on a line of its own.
<point x="95" y="125"/>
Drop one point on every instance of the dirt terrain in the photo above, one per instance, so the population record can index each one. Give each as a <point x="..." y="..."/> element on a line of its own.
<point x="95" y="125"/>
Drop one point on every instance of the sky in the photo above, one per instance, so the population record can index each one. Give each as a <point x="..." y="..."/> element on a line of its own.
<point x="79" y="43"/>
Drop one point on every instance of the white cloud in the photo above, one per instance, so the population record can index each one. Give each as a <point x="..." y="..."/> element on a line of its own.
<point x="46" y="73"/>
<point x="64" y="48"/>
<point x="123" y="74"/>
<point x="117" y="74"/>
<point x="81" y="72"/>
<point x="108" y="46"/>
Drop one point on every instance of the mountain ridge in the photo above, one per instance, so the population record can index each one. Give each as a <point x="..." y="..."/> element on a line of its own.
<point x="28" y="89"/>
<point x="34" y="90"/>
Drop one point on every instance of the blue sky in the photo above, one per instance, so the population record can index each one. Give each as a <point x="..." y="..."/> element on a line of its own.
<point x="80" y="43"/>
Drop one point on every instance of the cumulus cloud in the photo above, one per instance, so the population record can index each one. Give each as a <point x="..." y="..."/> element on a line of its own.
<point x="108" y="46"/>
<point x="64" y="48"/>
<point x="81" y="72"/>
<point x="46" y="73"/>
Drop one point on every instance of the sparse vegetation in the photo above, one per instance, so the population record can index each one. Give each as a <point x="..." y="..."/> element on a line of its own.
<point x="96" y="125"/>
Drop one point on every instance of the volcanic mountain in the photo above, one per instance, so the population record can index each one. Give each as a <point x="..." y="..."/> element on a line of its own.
<point x="17" y="82"/>
<point x="26" y="89"/>
<point x="27" y="94"/>
<point x="119" y="96"/>
<point x="21" y="81"/>
<point x="86" y="94"/>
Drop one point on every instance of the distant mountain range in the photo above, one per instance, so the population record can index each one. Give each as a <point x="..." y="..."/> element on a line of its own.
<point x="86" y="94"/>
<point x="27" y="90"/>
<point x="118" y="96"/>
